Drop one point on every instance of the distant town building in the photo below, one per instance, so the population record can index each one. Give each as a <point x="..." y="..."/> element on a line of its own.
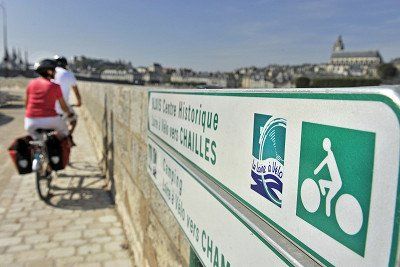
<point x="256" y="80"/>
<point x="233" y="80"/>
<point x="362" y="58"/>
<point x="342" y="64"/>
<point x="154" y="74"/>
<point x="339" y="45"/>
<point x="396" y="63"/>
<point x="130" y="75"/>
<point x="190" y="77"/>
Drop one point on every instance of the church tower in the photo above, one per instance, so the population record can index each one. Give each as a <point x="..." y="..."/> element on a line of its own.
<point x="339" y="45"/>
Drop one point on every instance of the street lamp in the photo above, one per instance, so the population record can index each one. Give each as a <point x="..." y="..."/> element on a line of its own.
<point x="4" y="31"/>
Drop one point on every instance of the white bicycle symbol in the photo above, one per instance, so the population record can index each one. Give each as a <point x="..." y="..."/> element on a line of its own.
<point x="348" y="211"/>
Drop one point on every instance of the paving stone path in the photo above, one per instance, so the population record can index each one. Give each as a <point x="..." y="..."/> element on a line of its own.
<point x="79" y="227"/>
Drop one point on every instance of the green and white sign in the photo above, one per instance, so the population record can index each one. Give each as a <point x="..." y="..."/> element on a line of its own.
<point x="335" y="183"/>
<point x="218" y="237"/>
<point x="321" y="167"/>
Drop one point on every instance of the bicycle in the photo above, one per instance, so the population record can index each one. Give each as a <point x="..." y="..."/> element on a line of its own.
<point x="348" y="211"/>
<point x="41" y="163"/>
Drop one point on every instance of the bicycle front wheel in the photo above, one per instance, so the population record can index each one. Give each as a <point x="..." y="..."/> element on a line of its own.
<point x="43" y="181"/>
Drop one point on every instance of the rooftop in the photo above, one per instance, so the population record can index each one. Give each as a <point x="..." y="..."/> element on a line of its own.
<point x="355" y="54"/>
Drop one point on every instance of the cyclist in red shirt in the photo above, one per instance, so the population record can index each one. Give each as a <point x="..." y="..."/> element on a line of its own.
<point x="41" y="97"/>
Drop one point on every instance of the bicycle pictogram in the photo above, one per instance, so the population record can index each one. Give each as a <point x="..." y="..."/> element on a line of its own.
<point x="348" y="211"/>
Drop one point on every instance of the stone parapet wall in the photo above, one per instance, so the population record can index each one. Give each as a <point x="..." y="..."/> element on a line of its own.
<point x="16" y="82"/>
<point x="116" y="117"/>
<point x="9" y="86"/>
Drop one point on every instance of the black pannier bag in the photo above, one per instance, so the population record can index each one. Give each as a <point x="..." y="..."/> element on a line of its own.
<point x="54" y="152"/>
<point x="58" y="152"/>
<point x="21" y="154"/>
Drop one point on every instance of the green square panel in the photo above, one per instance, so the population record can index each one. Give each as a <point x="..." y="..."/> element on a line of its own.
<point x="335" y="179"/>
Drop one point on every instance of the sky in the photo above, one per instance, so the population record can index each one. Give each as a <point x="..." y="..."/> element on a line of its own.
<point x="204" y="35"/>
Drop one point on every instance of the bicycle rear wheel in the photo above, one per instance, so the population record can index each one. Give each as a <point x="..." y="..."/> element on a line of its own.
<point x="43" y="181"/>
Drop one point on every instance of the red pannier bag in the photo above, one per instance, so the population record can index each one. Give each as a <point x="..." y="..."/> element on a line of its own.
<point x="21" y="154"/>
<point x="58" y="151"/>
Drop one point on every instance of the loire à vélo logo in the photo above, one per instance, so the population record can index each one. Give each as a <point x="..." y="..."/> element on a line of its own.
<point x="269" y="134"/>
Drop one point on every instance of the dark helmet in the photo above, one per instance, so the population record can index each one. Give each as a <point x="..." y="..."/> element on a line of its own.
<point x="61" y="61"/>
<point x="44" y="65"/>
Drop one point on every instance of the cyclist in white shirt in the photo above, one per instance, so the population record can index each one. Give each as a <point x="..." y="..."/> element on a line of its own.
<point x="66" y="79"/>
